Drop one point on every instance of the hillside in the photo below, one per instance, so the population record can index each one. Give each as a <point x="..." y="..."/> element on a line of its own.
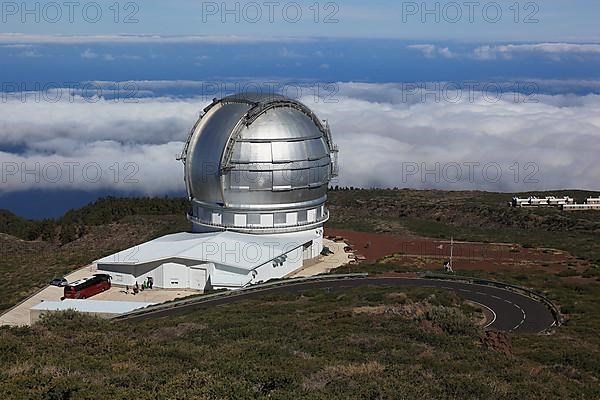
<point x="359" y="344"/>
<point x="112" y="224"/>
<point x="355" y="344"/>
<point x="75" y="223"/>
<point x="469" y="216"/>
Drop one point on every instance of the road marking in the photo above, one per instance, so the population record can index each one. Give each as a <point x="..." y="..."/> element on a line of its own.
<point x="492" y="311"/>
<point x="522" y="321"/>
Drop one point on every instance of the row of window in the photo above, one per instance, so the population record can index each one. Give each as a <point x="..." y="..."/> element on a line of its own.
<point x="262" y="220"/>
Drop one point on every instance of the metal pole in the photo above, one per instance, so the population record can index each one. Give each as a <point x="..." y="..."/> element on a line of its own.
<point x="451" y="253"/>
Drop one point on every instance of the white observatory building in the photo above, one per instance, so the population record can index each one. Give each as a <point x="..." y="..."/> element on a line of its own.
<point x="257" y="170"/>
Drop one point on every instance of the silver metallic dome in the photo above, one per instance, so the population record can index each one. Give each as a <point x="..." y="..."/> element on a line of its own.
<point x="258" y="163"/>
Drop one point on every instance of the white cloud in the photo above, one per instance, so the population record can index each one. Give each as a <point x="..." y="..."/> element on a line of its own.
<point x="30" y="54"/>
<point x="89" y="54"/>
<point x="97" y="165"/>
<point x="19" y="38"/>
<point x="508" y="51"/>
<point x="432" y="51"/>
<point x="383" y="135"/>
<point x="16" y="46"/>
<point x="287" y="53"/>
<point x="95" y="144"/>
<point x="554" y="50"/>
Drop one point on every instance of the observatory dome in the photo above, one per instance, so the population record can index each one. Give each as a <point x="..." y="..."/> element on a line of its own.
<point x="258" y="163"/>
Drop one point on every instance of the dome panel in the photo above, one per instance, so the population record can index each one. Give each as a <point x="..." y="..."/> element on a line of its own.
<point x="289" y="151"/>
<point x="206" y="145"/>
<point x="249" y="152"/>
<point x="316" y="149"/>
<point x="281" y="124"/>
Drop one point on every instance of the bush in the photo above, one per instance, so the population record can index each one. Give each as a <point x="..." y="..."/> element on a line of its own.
<point x="452" y="321"/>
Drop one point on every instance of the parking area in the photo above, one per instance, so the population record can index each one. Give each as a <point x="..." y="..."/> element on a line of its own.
<point x="20" y="314"/>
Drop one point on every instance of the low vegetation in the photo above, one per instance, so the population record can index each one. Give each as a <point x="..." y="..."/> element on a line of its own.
<point x="352" y="344"/>
<point x="76" y="223"/>
<point x="355" y="344"/>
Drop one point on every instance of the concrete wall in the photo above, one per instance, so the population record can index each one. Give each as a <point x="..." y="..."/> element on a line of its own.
<point x="271" y="270"/>
<point x="225" y="277"/>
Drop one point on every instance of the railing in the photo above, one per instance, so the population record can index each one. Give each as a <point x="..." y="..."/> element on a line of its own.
<point x="558" y="318"/>
<point x="186" y="146"/>
<point x="233" y="293"/>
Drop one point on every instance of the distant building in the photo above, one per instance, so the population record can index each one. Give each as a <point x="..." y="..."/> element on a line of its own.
<point x="593" y="200"/>
<point x="549" y="201"/>
<point x="592" y="203"/>
<point x="564" y="203"/>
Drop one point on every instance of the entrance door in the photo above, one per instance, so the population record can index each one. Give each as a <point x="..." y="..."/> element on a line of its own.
<point x="197" y="279"/>
<point x="307" y="251"/>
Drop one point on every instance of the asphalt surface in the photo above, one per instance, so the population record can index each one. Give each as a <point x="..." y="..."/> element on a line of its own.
<point x="512" y="312"/>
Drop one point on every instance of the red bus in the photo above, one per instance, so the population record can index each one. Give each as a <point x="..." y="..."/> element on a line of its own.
<point x="88" y="287"/>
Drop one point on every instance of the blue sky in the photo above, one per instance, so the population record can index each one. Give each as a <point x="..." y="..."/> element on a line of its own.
<point x="401" y="90"/>
<point x="557" y="20"/>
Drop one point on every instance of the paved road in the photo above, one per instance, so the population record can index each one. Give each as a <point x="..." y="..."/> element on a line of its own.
<point x="512" y="312"/>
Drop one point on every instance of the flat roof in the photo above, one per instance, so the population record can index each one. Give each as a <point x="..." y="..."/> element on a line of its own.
<point x="240" y="250"/>
<point x="91" y="306"/>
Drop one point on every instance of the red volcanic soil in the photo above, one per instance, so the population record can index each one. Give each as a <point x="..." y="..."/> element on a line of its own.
<point x="431" y="253"/>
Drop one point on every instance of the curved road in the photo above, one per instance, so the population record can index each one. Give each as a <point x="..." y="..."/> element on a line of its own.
<point x="511" y="311"/>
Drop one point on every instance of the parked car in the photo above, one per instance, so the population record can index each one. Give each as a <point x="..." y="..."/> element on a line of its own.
<point x="60" y="282"/>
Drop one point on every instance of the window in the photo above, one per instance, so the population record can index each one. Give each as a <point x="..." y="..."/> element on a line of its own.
<point x="302" y="216"/>
<point x="266" y="220"/>
<point x="292" y="218"/>
<point x="254" y="219"/>
<point x="228" y="219"/>
<point x="240" y="220"/>
<point x="280" y="219"/>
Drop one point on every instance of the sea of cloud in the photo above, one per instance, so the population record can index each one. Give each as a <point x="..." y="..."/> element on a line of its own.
<point x="389" y="135"/>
